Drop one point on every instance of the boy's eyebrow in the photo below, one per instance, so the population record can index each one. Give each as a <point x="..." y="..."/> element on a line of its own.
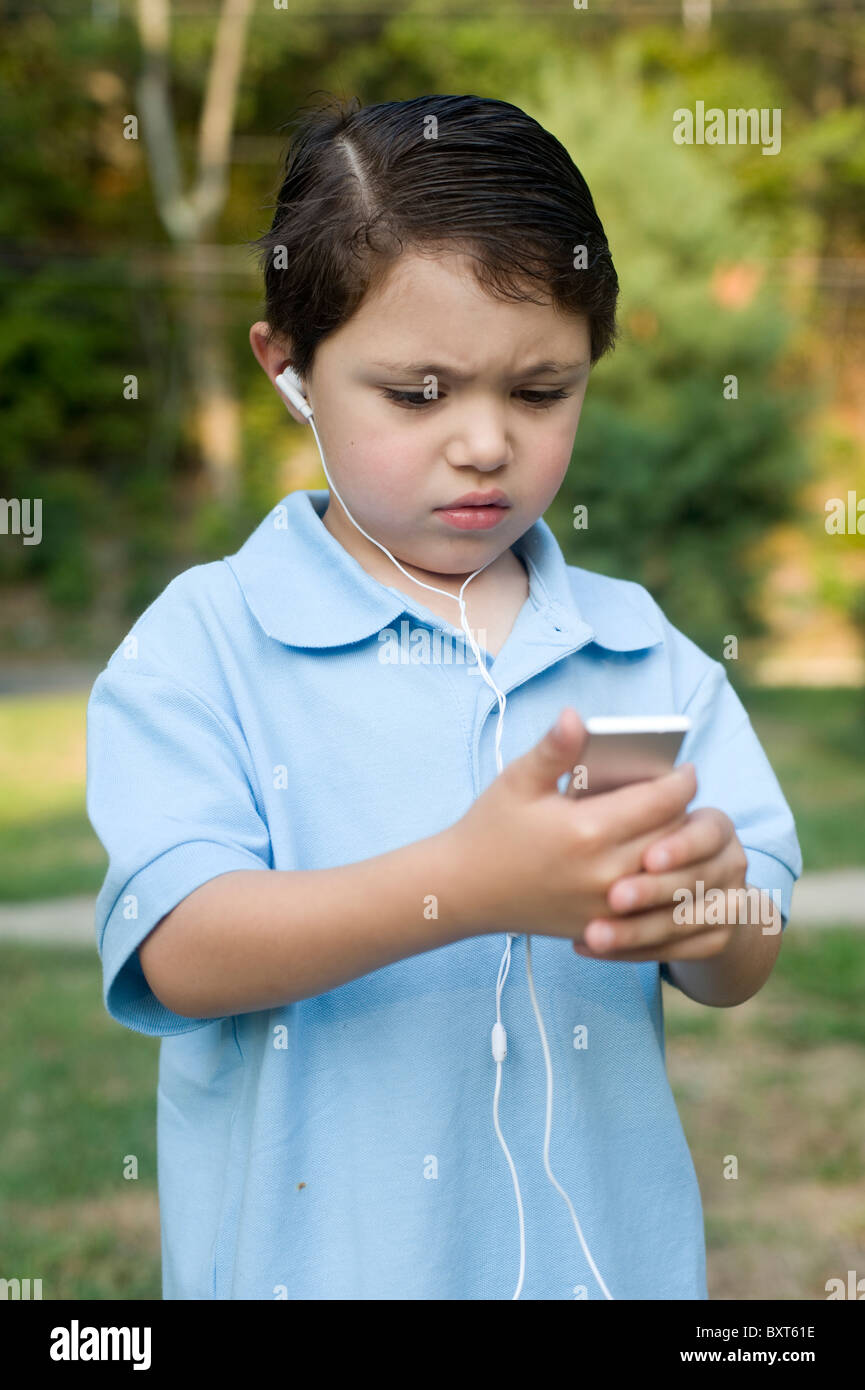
<point x="436" y="369"/>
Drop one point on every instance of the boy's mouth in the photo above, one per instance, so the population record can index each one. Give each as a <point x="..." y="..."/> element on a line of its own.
<point x="494" y="498"/>
<point x="476" y="511"/>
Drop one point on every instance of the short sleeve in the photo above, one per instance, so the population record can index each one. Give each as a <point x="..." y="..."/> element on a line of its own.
<point x="734" y="774"/>
<point x="170" y="794"/>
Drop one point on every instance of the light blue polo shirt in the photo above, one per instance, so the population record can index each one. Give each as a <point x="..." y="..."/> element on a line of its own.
<point x="282" y="709"/>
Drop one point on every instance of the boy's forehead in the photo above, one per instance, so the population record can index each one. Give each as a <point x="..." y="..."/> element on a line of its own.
<point x="444" y="280"/>
<point x="432" y="308"/>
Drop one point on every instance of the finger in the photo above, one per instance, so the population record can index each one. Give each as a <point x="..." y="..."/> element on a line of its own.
<point x="704" y="834"/>
<point x="642" y="891"/>
<point x="539" y="769"/>
<point x="695" y="947"/>
<point x="638" y="808"/>
<point x="655" y="928"/>
<point x="625" y="859"/>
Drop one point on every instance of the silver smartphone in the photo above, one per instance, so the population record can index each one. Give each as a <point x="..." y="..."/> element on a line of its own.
<point x="626" y="748"/>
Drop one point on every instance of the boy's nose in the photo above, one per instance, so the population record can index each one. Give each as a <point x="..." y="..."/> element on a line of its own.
<point x="484" y="446"/>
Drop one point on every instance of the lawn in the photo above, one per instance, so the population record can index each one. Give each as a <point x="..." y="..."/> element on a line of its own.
<point x="77" y="1099"/>
<point x="778" y="1082"/>
<point x="815" y="740"/>
<point x="47" y="846"/>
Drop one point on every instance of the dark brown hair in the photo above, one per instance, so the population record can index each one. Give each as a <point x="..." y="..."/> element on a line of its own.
<point x="460" y="173"/>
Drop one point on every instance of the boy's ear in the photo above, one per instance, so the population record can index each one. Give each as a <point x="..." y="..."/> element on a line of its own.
<point x="273" y="356"/>
<point x="269" y="353"/>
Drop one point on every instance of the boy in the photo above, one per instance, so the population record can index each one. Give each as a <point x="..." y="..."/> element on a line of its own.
<point x="313" y="861"/>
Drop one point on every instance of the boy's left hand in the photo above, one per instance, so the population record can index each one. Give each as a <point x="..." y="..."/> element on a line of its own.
<point x="705" y="847"/>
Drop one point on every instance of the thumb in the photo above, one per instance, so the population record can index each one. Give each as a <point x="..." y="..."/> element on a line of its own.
<point x="539" y="770"/>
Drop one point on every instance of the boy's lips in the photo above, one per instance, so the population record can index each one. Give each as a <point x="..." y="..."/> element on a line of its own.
<point x="476" y="511"/>
<point x="495" y="498"/>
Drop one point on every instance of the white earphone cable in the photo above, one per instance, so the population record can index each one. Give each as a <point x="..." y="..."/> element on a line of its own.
<point x="499" y="1037"/>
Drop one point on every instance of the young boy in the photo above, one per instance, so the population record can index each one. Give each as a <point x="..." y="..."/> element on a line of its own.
<point x="292" y="763"/>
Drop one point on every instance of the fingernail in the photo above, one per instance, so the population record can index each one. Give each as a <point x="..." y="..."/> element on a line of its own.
<point x="626" y="897"/>
<point x="602" y="934"/>
<point x="661" y="859"/>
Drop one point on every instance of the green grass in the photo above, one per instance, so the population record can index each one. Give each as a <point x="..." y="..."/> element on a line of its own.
<point x="47" y="845"/>
<point x="815" y="740"/>
<point x="78" y="1100"/>
<point x="831" y="975"/>
<point x="778" y="1081"/>
<point x="826" y="966"/>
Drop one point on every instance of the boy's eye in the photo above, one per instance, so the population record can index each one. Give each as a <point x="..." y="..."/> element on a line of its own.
<point x="545" y="397"/>
<point x="410" y="399"/>
<point x="416" y="400"/>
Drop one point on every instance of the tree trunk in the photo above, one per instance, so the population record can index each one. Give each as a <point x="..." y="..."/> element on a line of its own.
<point x="216" y="409"/>
<point x="188" y="218"/>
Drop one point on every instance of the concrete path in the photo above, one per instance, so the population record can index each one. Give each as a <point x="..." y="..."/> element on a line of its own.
<point x="834" y="898"/>
<point x="61" y="921"/>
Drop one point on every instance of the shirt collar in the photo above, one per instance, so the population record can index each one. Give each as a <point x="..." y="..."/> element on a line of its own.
<point x="305" y="590"/>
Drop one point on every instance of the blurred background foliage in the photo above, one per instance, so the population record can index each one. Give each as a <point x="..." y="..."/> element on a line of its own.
<point x="732" y="263"/>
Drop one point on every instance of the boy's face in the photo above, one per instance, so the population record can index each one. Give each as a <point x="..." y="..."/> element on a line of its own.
<point x="398" y="466"/>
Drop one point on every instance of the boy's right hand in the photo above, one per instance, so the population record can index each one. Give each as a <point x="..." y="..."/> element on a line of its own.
<point x="532" y="860"/>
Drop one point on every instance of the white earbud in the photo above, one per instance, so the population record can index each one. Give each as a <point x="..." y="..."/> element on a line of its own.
<point x="291" y="386"/>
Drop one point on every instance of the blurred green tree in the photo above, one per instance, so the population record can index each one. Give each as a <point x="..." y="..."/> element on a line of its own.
<point x="687" y="450"/>
<point x="681" y="483"/>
